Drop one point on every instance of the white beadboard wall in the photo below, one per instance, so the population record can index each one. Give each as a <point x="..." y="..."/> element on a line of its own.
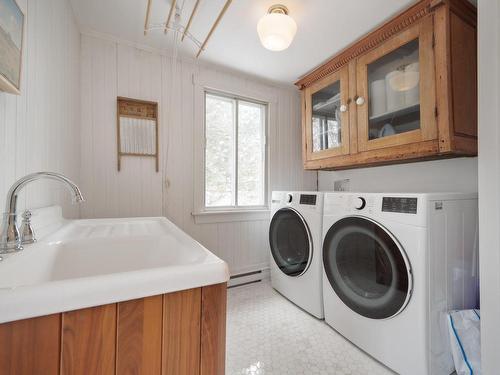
<point x="449" y="175"/>
<point x="111" y="68"/>
<point x="39" y="130"/>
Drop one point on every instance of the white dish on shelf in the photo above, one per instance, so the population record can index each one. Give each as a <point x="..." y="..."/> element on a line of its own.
<point x="395" y="98"/>
<point x="378" y="98"/>
<point x="412" y="95"/>
<point x="386" y="131"/>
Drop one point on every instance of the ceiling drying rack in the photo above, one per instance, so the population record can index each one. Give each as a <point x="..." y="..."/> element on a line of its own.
<point x="173" y="12"/>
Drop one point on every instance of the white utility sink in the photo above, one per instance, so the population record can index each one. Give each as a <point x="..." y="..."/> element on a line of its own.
<point x="87" y="263"/>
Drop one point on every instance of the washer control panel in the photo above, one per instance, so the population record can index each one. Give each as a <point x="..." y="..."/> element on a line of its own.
<point x="308" y="199"/>
<point x="400" y="205"/>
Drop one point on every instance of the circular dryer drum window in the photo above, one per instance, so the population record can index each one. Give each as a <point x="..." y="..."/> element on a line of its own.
<point x="367" y="268"/>
<point x="290" y="242"/>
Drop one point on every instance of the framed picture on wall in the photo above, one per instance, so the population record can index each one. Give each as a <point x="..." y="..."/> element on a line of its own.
<point x="11" y="46"/>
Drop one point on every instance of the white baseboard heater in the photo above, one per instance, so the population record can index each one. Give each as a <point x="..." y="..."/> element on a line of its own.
<point x="248" y="278"/>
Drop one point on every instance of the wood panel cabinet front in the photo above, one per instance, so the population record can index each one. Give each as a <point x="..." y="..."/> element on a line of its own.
<point x="139" y="336"/>
<point x="181" y="327"/>
<point x="410" y="90"/>
<point x="31" y="346"/>
<point x="213" y="330"/>
<point x="181" y="333"/>
<point x="409" y="112"/>
<point x="326" y="130"/>
<point x="88" y="341"/>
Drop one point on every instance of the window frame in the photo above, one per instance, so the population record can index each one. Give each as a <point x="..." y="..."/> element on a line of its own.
<point x="237" y="209"/>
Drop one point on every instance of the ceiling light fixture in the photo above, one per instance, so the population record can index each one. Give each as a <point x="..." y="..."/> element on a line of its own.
<point x="276" y="29"/>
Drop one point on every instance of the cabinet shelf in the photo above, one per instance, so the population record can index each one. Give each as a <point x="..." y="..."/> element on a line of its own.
<point x="327" y="106"/>
<point x="392" y="114"/>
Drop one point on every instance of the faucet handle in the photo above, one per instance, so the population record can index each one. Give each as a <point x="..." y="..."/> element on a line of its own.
<point x="27" y="215"/>
<point x="27" y="232"/>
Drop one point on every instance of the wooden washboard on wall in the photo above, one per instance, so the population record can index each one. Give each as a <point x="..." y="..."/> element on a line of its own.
<point x="137" y="129"/>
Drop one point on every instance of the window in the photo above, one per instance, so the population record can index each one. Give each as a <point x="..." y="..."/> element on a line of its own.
<point x="235" y="152"/>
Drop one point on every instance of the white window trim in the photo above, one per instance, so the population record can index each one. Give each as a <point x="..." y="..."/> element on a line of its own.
<point x="229" y="88"/>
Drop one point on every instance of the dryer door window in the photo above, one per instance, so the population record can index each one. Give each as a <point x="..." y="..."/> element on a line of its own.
<point x="290" y="242"/>
<point x="367" y="268"/>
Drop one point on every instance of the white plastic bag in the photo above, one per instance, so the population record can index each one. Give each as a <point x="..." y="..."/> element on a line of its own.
<point x="465" y="341"/>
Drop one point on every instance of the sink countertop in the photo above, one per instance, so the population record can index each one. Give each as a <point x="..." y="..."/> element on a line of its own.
<point x="83" y="263"/>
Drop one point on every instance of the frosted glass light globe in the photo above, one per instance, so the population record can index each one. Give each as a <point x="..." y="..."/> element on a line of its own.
<point x="276" y="31"/>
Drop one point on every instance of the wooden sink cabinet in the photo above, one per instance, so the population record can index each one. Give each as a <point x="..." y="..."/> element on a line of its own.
<point x="179" y="333"/>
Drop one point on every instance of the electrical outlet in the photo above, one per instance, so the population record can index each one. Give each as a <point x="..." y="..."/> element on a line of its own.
<point x="341" y="185"/>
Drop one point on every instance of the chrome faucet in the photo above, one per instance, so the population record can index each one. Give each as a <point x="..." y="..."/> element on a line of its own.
<point x="10" y="238"/>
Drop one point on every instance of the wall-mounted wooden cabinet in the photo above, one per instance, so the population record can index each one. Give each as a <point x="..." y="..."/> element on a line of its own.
<point x="405" y="92"/>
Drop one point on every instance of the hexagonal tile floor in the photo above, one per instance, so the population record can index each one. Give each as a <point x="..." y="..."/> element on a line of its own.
<point x="269" y="335"/>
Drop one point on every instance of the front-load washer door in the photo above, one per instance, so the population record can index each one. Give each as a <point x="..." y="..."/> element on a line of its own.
<point x="291" y="243"/>
<point x="367" y="268"/>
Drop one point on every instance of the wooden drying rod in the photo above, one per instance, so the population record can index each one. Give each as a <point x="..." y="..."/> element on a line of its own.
<point x="170" y="13"/>
<point x="190" y="19"/>
<point x="214" y="26"/>
<point x="146" y="21"/>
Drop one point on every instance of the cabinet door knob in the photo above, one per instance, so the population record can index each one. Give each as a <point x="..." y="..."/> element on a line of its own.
<point x="343" y="108"/>
<point x="360" y="100"/>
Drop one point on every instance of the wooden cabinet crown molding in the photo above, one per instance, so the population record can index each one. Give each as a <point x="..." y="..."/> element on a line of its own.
<point x="418" y="11"/>
<point x="366" y="43"/>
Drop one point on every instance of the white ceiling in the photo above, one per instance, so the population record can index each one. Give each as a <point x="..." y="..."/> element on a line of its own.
<point x="324" y="28"/>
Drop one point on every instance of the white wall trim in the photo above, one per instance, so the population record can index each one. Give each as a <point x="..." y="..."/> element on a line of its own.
<point x="230" y="216"/>
<point x="489" y="181"/>
<point x="258" y="92"/>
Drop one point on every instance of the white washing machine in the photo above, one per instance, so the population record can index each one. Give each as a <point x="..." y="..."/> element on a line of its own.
<point x="394" y="264"/>
<point x="295" y="239"/>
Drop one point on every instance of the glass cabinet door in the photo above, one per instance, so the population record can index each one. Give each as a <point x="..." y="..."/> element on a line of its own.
<point x="326" y="117"/>
<point x="396" y="97"/>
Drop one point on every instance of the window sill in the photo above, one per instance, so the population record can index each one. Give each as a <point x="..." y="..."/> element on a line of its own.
<point x="205" y="217"/>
